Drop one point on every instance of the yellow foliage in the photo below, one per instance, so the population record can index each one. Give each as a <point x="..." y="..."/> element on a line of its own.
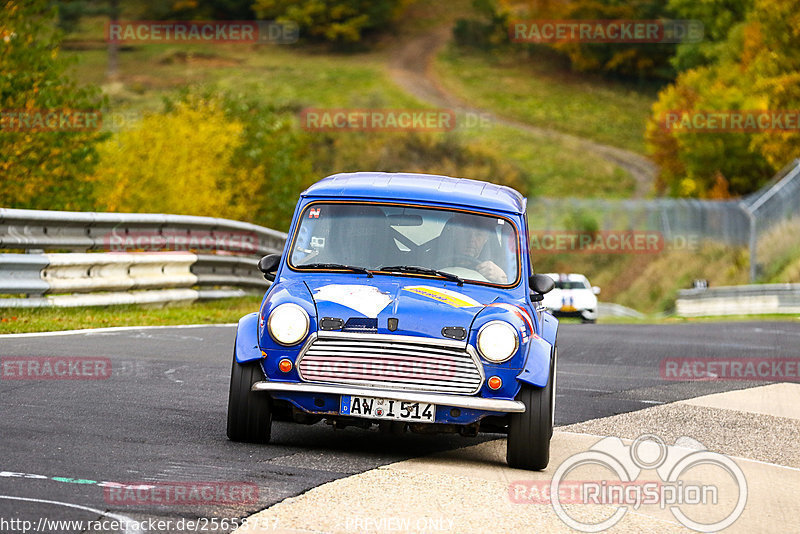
<point x="178" y="162"/>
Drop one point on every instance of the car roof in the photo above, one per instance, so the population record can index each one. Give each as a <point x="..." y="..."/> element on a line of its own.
<point x="419" y="187"/>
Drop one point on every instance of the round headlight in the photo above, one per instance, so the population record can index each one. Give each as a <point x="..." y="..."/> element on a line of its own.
<point x="497" y="341"/>
<point x="288" y="324"/>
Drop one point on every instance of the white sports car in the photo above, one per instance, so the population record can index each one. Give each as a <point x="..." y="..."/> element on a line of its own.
<point x="573" y="296"/>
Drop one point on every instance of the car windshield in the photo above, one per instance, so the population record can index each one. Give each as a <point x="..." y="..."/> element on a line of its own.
<point x="406" y="240"/>
<point x="571" y="285"/>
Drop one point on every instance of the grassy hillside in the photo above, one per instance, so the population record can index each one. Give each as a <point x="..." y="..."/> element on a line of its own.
<point x="543" y="92"/>
<point x="650" y="282"/>
<point x="296" y="77"/>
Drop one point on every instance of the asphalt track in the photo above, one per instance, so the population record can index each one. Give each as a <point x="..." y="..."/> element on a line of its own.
<point x="160" y="416"/>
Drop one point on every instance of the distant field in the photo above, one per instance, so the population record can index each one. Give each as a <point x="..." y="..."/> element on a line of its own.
<point x="298" y="77"/>
<point x="540" y="92"/>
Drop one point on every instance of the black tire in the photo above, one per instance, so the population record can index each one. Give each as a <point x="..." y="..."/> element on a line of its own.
<point x="529" y="433"/>
<point x="249" y="413"/>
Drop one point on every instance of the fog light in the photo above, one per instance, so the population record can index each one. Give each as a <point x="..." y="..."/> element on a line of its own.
<point x="285" y="365"/>
<point x="455" y="412"/>
<point x="495" y="382"/>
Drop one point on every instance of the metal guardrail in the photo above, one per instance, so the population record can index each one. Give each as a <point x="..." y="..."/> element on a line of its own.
<point x="126" y="278"/>
<point x="739" y="300"/>
<point x="737" y="223"/>
<point x="610" y="309"/>
<point x="145" y="258"/>
<point x="122" y="232"/>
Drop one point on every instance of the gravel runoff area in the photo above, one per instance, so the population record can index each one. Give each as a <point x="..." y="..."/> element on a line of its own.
<point x="472" y="490"/>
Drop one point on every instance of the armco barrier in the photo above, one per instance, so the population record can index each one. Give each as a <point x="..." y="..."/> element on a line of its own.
<point x="220" y="270"/>
<point x="123" y="275"/>
<point x="124" y="232"/>
<point x="117" y="258"/>
<point x="739" y="300"/>
<point x="21" y="273"/>
<point x="609" y="309"/>
<point x="88" y="273"/>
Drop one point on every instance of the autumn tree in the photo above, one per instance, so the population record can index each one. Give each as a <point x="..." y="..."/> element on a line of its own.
<point x="41" y="167"/>
<point x="337" y="21"/>
<point x="757" y="70"/>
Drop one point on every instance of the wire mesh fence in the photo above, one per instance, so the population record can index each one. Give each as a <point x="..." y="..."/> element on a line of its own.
<point x="738" y="223"/>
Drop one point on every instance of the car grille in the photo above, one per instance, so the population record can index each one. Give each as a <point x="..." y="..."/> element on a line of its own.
<point x="392" y="362"/>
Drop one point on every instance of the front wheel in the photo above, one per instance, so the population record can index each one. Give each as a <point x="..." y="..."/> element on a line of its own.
<point x="529" y="433"/>
<point x="249" y="413"/>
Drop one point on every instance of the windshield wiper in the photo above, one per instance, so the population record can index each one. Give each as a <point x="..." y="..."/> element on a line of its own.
<point x="422" y="270"/>
<point x="353" y="268"/>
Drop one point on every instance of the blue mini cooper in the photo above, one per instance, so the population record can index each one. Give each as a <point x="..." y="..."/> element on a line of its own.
<point x="406" y="301"/>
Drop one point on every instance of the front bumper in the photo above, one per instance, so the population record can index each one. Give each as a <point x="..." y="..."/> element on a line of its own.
<point x="439" y="399"/>
<point x="586" y="314"/>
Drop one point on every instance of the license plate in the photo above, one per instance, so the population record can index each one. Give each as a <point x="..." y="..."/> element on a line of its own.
<point x="568" y="308"/>
<point x="376" y="408"/>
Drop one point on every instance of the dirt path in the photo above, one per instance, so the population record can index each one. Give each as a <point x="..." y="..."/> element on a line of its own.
<point x="411" y="68"/>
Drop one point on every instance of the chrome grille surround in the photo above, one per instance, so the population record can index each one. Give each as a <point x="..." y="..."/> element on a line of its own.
<point x="387" y="361"/>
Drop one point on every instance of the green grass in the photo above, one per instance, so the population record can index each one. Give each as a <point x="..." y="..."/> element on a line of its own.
<point x="672" y="319"/>
<point x="549" y="167"/>
<point x="540" y="92"/>
<point x="19" y="320"/>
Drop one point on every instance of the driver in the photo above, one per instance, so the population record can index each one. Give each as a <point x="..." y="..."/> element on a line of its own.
<point x="469" y="237"/>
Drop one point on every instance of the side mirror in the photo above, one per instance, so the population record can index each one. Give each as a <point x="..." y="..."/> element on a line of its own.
<point x="595" y="290"/>
<point x="268" y="265"/>
<point x="541" y="283"/>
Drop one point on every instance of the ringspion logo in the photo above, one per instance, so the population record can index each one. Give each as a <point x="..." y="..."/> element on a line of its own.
<point x="689" y="478"/>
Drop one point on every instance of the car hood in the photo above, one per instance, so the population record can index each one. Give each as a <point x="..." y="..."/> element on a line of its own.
<point x="422" y="307"/>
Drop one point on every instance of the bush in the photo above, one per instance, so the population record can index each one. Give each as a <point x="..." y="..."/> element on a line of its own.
<point x="336" y="21"/>
<point x="760" y="70"/>
<point x="179" y="162"/>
